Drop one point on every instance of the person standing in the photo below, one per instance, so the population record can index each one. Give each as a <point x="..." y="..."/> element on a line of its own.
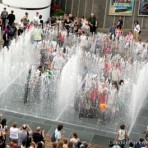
<point x="75" y="140"/>
<point x="67" y="24"/>
<point x="38" y="136"/>
<point x="37" y="34"/>
<point x="92" y="23"/>
<point x="41" y="22"/>
<point x="58" y="62"/>
<point x="11" y="18"/>
<point x="129" y="38"/>
<point x="6" y="36"/>
<point x="120" y="22"/>
<point x="4" y="16"/>
<point x="58" y="133"/>
<point x="36" y="18"/>
<point x="14" y="132"/>
<point x="20" y="27"/>
<point x="3" y="127"/>
<point x="136" y="30"/>
<point x="23" y="135"/>
<point x="26" y="19"/>
<point x="121" y="136"/>
<point x="112" y="32"/>
<point x="118" y="32"/>
<point x="12" y="31"/>
<point x="62" y="36"/>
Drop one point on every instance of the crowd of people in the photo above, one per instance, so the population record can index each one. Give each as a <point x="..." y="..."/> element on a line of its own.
<point x="103" y="90"/>
<point x="11" y="29"/>
<point x="67" y="23"/>
<point x="25" y="137"/>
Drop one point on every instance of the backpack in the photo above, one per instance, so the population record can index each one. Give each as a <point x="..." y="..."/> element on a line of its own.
<point x="53" y="138"/>
<point x="12" y="31"/>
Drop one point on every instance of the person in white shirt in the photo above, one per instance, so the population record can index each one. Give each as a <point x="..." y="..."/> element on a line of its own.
<point x="36" y="18"/>
<point x="115" y="74"/>
<point x="136" y="30"/>
<point x="121" y="136"/>
<point x="58" y="133"/>
<point x="14" y="132"/>
<point x="58" y="62"/>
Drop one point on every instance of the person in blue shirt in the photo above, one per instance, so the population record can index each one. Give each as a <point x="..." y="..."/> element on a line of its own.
<point x="112" y="31"/>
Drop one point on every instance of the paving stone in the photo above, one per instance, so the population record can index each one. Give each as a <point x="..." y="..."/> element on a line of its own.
<point x="45" y="127"/>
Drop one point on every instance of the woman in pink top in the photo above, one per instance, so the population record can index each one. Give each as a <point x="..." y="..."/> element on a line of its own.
<point x="118" y="32"/>
<point x="129" y="38"/>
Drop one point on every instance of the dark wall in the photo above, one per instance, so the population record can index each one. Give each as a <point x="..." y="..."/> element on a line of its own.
<point x="101" y="9"/>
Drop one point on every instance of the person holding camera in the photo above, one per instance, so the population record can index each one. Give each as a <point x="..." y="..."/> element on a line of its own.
<point x="38" y="136"/>
<point x="24" y="135"/>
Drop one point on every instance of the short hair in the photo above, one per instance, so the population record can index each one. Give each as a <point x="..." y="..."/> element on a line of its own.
<point x="60" y="127"/>
<point x="136" y="22"/>
<point x="75" y="135"/>
<point x="54" y="145"/>
<point x="3" y="122"/>
<point x="70" y="145"/>
<point x="111" y="144"/>
<point x="131" y="144"/>
<point x="122" y="127"/>
<point x="14" y="141"/>
<point x="24" y="142"/>
<point x="65" y="141"/>
<point x="24" y="126"/>
<point x="4" y="8"/>
<point x="85" y="144"/>
<point x="40" y="16"/>
<point x="12" y="11"/>
<point x="60" y="144"/>
<point x="118" y="26"/>
<point x="121" y="81"/>
<point x="14" y="124"/>
<point x="141" y="139"/>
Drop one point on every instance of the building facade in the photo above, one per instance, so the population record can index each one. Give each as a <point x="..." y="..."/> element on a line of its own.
<point x="101" y="9"/>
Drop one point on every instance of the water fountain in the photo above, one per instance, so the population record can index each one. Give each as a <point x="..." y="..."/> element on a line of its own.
<point x="64" y="96"/>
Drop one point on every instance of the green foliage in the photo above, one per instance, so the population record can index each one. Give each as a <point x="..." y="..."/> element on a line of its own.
<point x="59" y="12"/>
